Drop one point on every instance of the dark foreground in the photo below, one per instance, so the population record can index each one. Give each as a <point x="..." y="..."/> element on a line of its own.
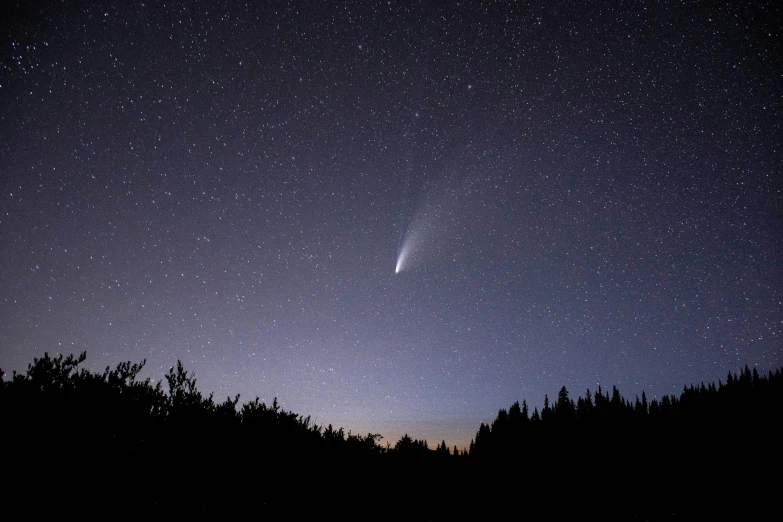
<point x="81" y="443"/>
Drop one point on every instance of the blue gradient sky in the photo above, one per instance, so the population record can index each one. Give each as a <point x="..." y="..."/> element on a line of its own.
<point x="587" y="194"/>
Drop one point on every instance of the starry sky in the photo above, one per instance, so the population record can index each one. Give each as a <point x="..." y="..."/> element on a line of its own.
<point x="394" y="216"/>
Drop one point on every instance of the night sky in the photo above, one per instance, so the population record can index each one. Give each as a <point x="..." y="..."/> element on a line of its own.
<point x="572" y="195"/>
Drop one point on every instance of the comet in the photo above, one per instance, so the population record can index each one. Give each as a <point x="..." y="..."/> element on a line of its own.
<point x="420" y="231"/>
<point x="407" y="251"/>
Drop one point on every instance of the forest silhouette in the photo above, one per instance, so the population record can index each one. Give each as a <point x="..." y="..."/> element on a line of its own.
<point x="114" y="440"/>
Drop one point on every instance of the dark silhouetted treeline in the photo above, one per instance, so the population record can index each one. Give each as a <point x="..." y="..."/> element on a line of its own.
<point x="708" y="453"/>
<point x="67" y="431"/>
<point x="746" y="403"/>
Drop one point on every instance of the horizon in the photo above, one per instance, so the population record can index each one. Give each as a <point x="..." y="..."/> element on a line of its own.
<point x="435" y="429"/>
